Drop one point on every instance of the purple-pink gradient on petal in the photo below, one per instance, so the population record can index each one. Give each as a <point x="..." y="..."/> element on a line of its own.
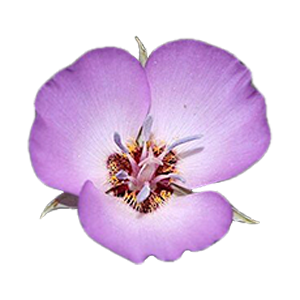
<point x="192" y="223"/>
<point x="77" y="113"/>
<point x="190" y="89"/>
<point x="200" y="89"/>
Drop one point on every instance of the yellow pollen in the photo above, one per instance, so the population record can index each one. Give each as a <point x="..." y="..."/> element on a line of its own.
<point x="123" y="189"/>
<point x="165" y="194"/>
<point x="113" y="179"/>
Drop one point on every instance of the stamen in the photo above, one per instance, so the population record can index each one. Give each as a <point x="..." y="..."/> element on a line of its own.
<point x="180" y="190"/>
<point x="178" y="143"/>
<point x="168" y="176"/>
<point x="146" y="132"/>
<point x="144" y="193"/>
<point x="122" y="175"/>
<point x="118" y="141"/>
<point x="147" y="126"/>
<point x="144" y="152"/>
<point x="183" y="141"/>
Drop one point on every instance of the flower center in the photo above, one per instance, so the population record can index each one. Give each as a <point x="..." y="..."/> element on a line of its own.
<point x="144" y="172"/>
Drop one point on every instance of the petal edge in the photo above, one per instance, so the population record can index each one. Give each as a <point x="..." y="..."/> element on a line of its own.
<point x="191" y="223"/>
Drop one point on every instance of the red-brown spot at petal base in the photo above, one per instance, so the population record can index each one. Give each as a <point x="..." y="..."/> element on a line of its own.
<point x="162" y="191"/>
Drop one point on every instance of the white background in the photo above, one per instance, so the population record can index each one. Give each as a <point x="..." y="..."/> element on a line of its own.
<point x="22" y="18"/>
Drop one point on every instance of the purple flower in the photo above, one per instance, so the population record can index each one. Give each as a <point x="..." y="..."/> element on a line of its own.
<point x="129" y="140"/>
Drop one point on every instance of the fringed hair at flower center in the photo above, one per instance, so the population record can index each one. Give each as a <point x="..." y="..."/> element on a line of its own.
<point x="156" y="188"/>
<point x="144" y="172"/>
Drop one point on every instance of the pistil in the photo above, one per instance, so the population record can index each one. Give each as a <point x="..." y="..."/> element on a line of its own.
<point x="145" y="179"/>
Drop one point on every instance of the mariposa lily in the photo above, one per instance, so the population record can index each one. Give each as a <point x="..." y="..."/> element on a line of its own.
<point x="128" y="141"/>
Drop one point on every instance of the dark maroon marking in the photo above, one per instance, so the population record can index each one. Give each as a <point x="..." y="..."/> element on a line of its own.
<point x="117" y="162"/>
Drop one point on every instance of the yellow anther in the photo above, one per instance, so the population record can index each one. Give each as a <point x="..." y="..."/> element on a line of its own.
<point x="132" y="146"/>
<point x="156" y="149"/>
<point x="114" y="179"/>
<point x="165" y="194"/>
<point x="158" y="199"/>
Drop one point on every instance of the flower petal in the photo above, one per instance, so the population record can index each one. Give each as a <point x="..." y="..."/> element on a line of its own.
<point x="200" y="89"/>
<point x="190" y="223"/>
<point x="78" y="111"/>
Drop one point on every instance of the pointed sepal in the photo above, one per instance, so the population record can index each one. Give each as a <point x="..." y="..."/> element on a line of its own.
<point x="63" y="201"/>
<point x="242" y="218"/>
<point x="143" y="56"/>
